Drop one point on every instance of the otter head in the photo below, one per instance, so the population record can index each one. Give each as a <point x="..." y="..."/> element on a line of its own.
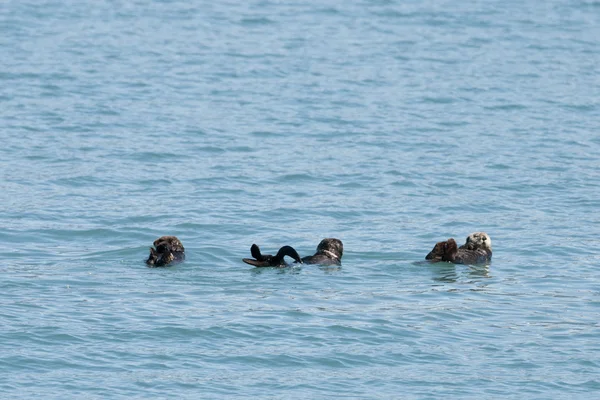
<point x="331" y="247"/>
<point x="478" y="240"/>
<point x="171" y="243"/>
<point x="166" y="250"/>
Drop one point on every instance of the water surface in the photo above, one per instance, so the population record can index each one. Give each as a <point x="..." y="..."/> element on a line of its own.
<point x="390" y="125"/>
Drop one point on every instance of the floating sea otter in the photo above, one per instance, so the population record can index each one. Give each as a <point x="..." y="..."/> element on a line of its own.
<point x="329" y="252"/>
<point x="167" y="249"/>
<point x="476" y="250"/>
<point x="267" y="260"/>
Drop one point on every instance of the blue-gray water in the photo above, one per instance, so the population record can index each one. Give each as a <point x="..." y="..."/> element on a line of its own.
<point x="388" y="124"/>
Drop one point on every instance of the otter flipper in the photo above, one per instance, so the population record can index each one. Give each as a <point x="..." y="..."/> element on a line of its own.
<point x="267" y="260"/>
<point x="257" y="263"/>
<point x="153" y="257"/>
<point x="437" y="252"/>
<point x="255" y="251"/>
<point x="260" y="260"/>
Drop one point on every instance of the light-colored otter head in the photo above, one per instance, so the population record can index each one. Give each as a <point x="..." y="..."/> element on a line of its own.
<point x="478" y="240"/>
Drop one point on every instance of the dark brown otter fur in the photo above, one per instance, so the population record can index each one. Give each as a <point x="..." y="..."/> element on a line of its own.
<point x="437" y="252"/>
<point x="167" y="249"/>
<point x="329" y="252"/>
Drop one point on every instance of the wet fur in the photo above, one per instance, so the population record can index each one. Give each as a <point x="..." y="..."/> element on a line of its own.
<point x="167" y="249"/>
<point x="329" y="252"/>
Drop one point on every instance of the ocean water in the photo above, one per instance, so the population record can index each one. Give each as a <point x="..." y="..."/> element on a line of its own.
<point x="388" y="124"/>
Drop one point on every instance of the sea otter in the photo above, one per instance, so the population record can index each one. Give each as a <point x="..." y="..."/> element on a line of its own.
<point x="329" y="252"/>
<point x="267" y="260"/>
<point x="476" y="250"/>
<point x="167" y="249"/>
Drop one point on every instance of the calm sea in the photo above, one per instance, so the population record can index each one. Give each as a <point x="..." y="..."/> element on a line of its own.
<point x="388" y="124"/>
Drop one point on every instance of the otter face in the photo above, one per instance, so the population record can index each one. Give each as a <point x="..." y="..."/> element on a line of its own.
<point x="166" y="250"/>
<point x="478" y="240"/>
<point x="332" y="246"/>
